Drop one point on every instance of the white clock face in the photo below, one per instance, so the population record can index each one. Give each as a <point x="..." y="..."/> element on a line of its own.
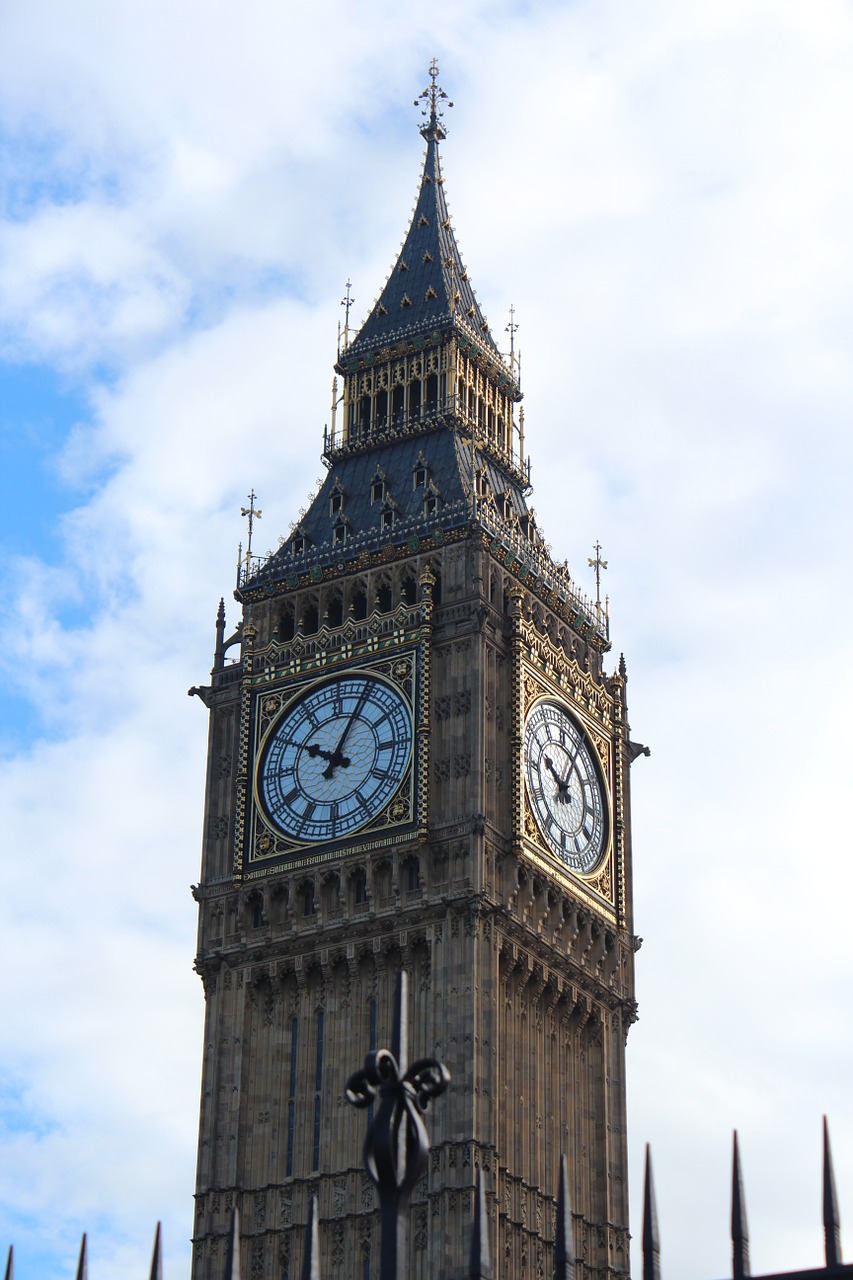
<point x="335" y="757"/>
<point x="564" y="787"/>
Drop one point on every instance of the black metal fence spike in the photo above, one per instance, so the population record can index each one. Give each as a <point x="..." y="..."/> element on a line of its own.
<point x="83" y="1264"/>
<point x="397" y="1144"/>
<point x="651" y="1237"/>
<point x="232" y="1257"/>
<point x="157" y="1257"/>
<point x="480" y="1264"/>
<point x="564" y="1244"/>
<point x="740" y="1231"/>
<point x="10" y="1264"/>
<point x="311" y="1260"/>
<point x="831" y="1220"/>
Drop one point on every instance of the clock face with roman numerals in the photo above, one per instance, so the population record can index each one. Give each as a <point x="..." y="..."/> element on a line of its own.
<point x="564" y="787"/>
<point x="335" y="757"/>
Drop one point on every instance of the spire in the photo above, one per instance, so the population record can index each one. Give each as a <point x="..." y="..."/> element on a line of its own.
<point x="428" y="289"/>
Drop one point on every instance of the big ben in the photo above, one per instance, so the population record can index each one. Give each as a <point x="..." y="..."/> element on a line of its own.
<point x="418" y="758"/>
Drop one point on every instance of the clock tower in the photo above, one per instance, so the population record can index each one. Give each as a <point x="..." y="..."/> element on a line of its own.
<point x="418" y="758"/>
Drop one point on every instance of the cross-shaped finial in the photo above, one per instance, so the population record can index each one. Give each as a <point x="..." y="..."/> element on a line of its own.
<point x="431" y="98"/>
<point x="598" y="564"/>
<point x="512" y="329"/>
<point x="253" y="514"/>
<point x="346" y="302"/>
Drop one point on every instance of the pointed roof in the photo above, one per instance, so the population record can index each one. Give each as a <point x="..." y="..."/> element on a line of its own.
<point x="428" y="291"/>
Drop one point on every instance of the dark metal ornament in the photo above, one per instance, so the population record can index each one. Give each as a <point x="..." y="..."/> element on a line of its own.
<point x="397" y="1144"/>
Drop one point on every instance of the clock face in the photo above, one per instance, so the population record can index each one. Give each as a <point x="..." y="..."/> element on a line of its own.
<point x="335" y="757"/>
<point x="564" y="787"/>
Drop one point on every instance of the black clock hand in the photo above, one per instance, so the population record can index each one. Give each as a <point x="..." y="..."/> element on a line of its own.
<point x="316" y="750"/>
<point x="565" y="782"/>
<point x="337" y="759"/>
<point x="562" y="784"/>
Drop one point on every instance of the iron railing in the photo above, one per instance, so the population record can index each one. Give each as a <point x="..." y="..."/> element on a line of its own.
<point x="395" y="1155"/>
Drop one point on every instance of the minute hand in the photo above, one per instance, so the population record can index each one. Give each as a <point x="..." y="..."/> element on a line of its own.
<point x="572" y="762"/>
<point x="337" y="759"/>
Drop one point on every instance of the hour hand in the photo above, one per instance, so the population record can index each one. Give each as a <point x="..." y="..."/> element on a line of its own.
<point x="336" y="760"/>
<point x="562" y="784"/>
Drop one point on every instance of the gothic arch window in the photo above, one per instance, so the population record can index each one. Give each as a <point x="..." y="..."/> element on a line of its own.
<point x="412" y="875"/>
<point x="255" y="910"/>
<point x="330" y="896"/>
<point x="340" y="532"/>
<point x="378" y="487"/>
<point x="432" y="500"/>
<point x="363" y="423"/>
<point x="310" y="617"/>
<point x="398" y="405"/>
<point x="278" y="903"/>
<point x="358" y="889"/>
<point x="382" y="877"/>
<point x="336" y="499"/>
<point x="381" y="417"/>
<point x="409" y="590"/>
<point x="334" y="614"/>
<point x="306" y="898"/>
<point x="384" y="595"/>
<point x="388" y="515"/>
<point x="287" y="622"/>
<point x="358" y="603"/>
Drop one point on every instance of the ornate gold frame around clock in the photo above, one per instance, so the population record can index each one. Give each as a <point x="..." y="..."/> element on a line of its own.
<point x="260" y="845"/>
<point x="542" y="671"/>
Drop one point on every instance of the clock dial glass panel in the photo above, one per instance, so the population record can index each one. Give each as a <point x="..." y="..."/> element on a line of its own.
<point x="564" y="787"/>
<point x="335" y="758"/>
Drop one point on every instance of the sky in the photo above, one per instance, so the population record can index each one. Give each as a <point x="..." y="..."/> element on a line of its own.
<point x="664" y="192"/>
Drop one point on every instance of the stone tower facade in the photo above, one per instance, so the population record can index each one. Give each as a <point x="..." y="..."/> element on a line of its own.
<point x="416" y="760"/>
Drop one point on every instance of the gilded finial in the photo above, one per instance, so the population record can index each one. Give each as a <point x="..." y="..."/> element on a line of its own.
<point x="253" y="514"/>
<point x="598" y="564"/>
<point x="430" y="103"/>
<point x="346" y="302"/>
<point x="512" y="329"/>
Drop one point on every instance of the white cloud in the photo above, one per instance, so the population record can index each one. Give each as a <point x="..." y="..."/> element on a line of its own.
<point x="661" y="191"/>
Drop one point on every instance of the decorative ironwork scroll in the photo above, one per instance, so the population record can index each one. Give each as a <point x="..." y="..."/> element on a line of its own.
<point x="397" y="1143"/>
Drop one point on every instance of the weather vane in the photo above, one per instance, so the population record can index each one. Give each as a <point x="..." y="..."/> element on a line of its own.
<point x="598" y="564"/>
<point x="252" y="515"/>
<point x="432" y="98"/>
